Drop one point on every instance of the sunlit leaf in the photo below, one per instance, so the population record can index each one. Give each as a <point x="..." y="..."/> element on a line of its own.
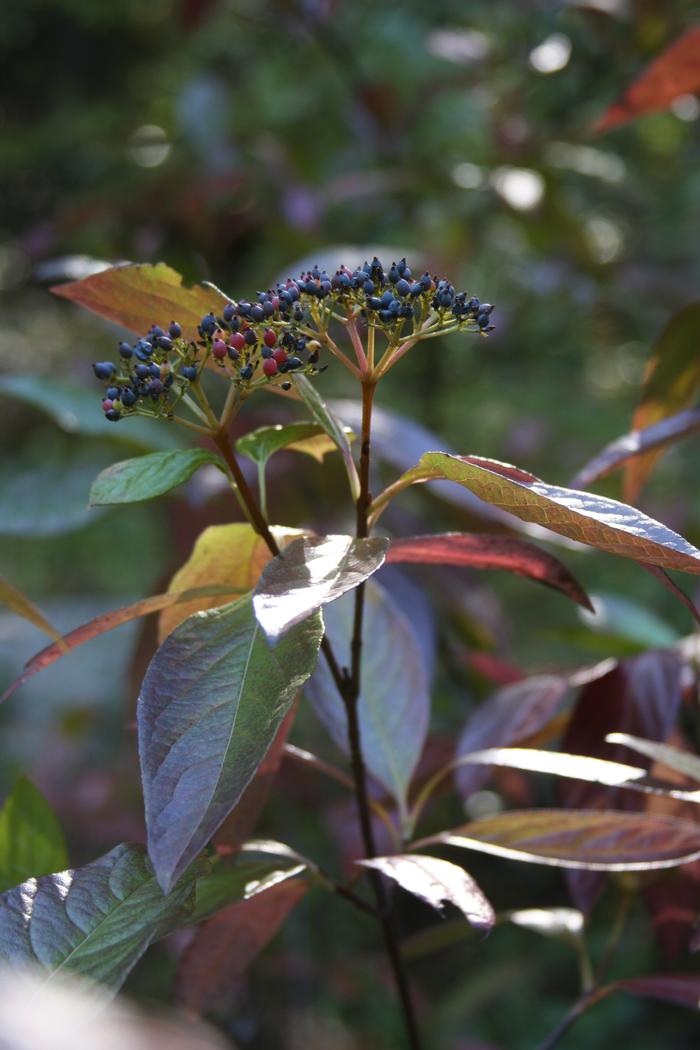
<point x="331" y="425"/>
<point x="31" y="840"/>
<point x="211" y="704"/>
<point x="145" y="477"/>
<point x="238" y="878"/>
<point x="437" y="882"/>
<point x="562" y="923"/>
<point x="676" y="71"/>
<point x="309" y="438"/>
<point x="581" y="516"/>
<point x="22" y="606"/>
<point x="592" y="840"/>
<point x="672" y="757"/>
<point x="138" y="296"/>
<point x="479" y="551"/>
<point x="309" y="573"/>
<point x="95" y="921"/>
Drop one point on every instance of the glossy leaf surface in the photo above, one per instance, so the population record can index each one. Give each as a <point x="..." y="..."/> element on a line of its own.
<point x="309" y="438"/>
<point x="672" y="757"/>
<point x="437" y="882"/>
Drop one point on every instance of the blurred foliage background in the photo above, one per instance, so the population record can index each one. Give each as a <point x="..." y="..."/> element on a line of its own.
<point x="234" y="139"/>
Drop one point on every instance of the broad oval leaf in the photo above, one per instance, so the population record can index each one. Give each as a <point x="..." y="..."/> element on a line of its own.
<point x="310" y="438"/>
<point x="309" y="573"/>
<point x="480" y="551"/>
<point x="437" y="882"/>
<point x="394" y="703"/>
<point x="675" y="72"/>
<point x="592" y="840"/>
<point x="31" y="840"/>
<point x="581" y="516"/>
<point x="331" y="425"/>
<point x="22" y="606"/>
<point x="512" y="713"/>
<point x="211" y="704"/>
<point x="139" y="295"/>
<point x="638" y="442"/>
<point x="95" y="921"/>
<point x="672" y="757"/>
<point x="142" y="478"/>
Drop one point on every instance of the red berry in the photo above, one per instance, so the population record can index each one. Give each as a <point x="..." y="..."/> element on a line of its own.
<point x="219" y="348"/>
<point x="280" y="355"/>
<point x="269" y="366"/>
<point x="269" y="338"/>
<point x="107" y="403"/>
<point x="237" y="341"/>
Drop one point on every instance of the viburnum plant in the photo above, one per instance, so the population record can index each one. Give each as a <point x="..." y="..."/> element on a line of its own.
<point x="220" y="693"/>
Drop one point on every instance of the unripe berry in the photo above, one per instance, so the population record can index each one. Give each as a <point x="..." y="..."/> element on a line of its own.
<point x="107" y="404"/>
<point x="269" y="367"/>
<point x="280" y="355"/>
<point x="237" y="341"/>
<point x="219" y="349"/>
<point x="270" y="337"/>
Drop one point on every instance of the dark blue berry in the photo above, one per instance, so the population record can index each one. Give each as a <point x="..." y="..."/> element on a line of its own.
<point x="257" y="313"/>
<point x="233" y="353"/>
<point x="104" y="369"/>
<point x="190" y="372"/>
<point x="175" y="330"/>
<point x="229" y="312"/>
<point x="142" y="371"/>
<point x="416" y="289"/>
<point x="294" y="362"/>
<point x="247" y="372"/>
<point x="394" y="273"/>
<point x="164" y="342"/>
<point x="267" y="308"/>
<point x="128" y="397"/>
<point x="403" y="287"/>
<point x="113" y="416"/>
<point x="155" y="388"/>
<point x="156" y="331"/>
<point x="208" y="325"/>
<point x="473" y="305"/>
<point x="426" y="282"/>
<point x="483" y="320"/>
<point x="250" y="337"/>
<point x="112" y="392"/>
<point x="266" y="351"/>
<point x="402" y="267"/>
<point x="286" y="386"/>
<point x="126" y="350"/>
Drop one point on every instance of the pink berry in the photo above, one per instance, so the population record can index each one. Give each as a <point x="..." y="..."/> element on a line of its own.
<point x="107" y="404"/>
<point x="270" y="337"/>
<point x="280" y="355"/>
<point x="237" y="341"/>
<point x="219" y="348"/>
<point x="269" y="366"/>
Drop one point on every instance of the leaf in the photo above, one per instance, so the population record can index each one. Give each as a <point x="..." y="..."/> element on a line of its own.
<point x="309" y="573"/>
<point x="227" y="944"/>
<point x="138" y="296"/>
<point x="638" y="442"/>
<point x="581" y="516"/>
<point x="672" y="757"/>
<point x="145" y="477"/>
<point x="675" y="72"/>
<point x="76" y="410"/>
<point x="233" y="554"/>
<point x="211" y="704"/>
<point x="394" y="702"/>
<point x="680" y="988"/>
<point x="561" y="923"/>
<point x="579" y="767"/>
<point x="437" y="882"/>
<point x="309" y="438"/>
<point x="592" y="840"/>
<point x="238" y="878"/>
<point x="31" y="840"/>
<point x="489" y="552"/>
<point x="331" y="425"/>
<point x="513" y="713"/>
<point x="20" y="604"/>
<point x="108" y="621"/>
<point x="670" y="385"/>
<point x="95" y="921"/>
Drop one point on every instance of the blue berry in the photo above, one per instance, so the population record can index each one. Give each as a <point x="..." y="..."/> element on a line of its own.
<point x="104" y="369"/>
<point x="233" y="353"/>
<point x="229" y="312"/>
<point x="250" y="337"/>
<point x="257" y="313"/>
<point x="128" y="397"/>
<point x="112" y="392"/>
<point x="483" y="320"/>
<point x="164" y="342"/>
<point x="155" y="388"/>
<point x="208" y="325"/>
<point x="190" y="372"/>
<point x="113" y="416"/>
<point x="142" y="371"/>
<point x="294" y="362"/>
<point x="126" y="350"/>
<point x="247" y="372"/>
<point x="155" y="370"/>
<point x="266" y="352"/>
<point x="403" y="287"/>
<point x="175" y="330"/>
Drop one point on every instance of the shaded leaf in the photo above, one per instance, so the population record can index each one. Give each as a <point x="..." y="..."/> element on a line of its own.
<point x="108" y="621"/>
<point x="672" y="757"/>
<point x="309" y="438"/>
<point x="22" y="606"/>
<point x="309" y="573"/>
<point x="331" y="425"/>
<point x="489" y="552"/>
<point x="582" y="516"/>
<point x="95" y="921"/>
<point x="513" y="713"/>
<point x="31" y="840"/>
<point x="677" y="592"/>
<point x="587" y="839"/>
<point x="140" y="295"/>
<point x="227" y="944"/>
<point x="675" y="72"/>
<point x="394" y="700"/>
<point x="671" y="384"/>
<point x="680" y="988"/>
<point x="638" y="442"/>
<point x="238" y="878"/>
<point x="437" y="882"/>
<point x="211" y="704"/>
<point x="145" y="477"/>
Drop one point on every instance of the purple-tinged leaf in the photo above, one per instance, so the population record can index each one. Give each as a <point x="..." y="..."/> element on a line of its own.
<point x="479" y="551"/>
<point x="672" y="757"/>
<point x="582" y="516"/>
<point x="437" y="882"/>
<point x="591" y="840"/>
<point x="212" y="701"/>
<point x="309" y="573"/>
<point x="675" y="590"/>
<point x="513" y="713"/>
<point x="680" y="988"/>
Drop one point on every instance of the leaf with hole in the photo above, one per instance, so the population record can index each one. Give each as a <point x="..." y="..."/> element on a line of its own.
<point x="437" y="882"/>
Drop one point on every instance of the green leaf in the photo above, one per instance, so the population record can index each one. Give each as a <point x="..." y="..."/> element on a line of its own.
<point x="592" y="840"/>
<point x="581" y="516"/>
<point x="31" y="840"/>
<point x="145" y="477"/>
<point x="138" y="296"/>
<point x="20" y="604"/>
<point x="77" y="410"/>
<point x="211" y="703"/>
<point x="96" y="921"/>
<point x="309" y="573"/>
<point x="309" y="438"/>
<point x="331" y="425"/>
<point x="239" y="879"/>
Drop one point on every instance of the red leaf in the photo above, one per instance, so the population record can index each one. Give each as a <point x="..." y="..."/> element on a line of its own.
<point x="224" y="947"/>
<point x="681" y="988"/>
<point x="489" y="552"/>
<point x="675" y="72"/>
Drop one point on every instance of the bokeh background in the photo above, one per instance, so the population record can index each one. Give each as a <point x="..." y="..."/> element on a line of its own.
<point x="233" y="140"/>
